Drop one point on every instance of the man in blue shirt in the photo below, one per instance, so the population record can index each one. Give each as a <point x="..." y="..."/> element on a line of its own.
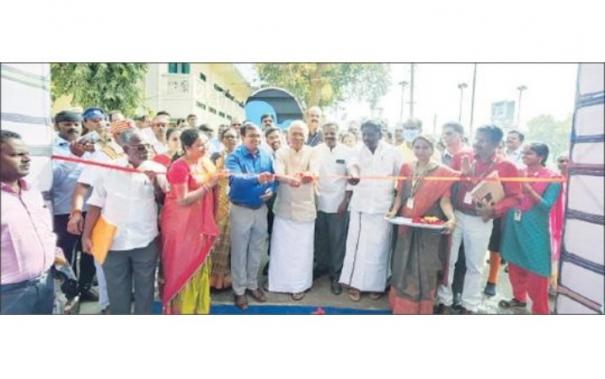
<point x="252" y="185"/>
<point x="65" y="176"/>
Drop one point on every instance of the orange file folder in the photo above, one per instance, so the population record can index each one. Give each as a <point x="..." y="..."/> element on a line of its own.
<point x="102" y="237"/>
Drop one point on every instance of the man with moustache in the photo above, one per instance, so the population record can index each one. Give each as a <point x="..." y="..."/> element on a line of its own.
<point x="27" y="243"/>
<point x="368" y="247"/>
<point x="252" y="185"/>
<point x="332" y="206"/>
<point x="273" y="141"/>
<point x="313" y="122"/>
<point x="128" y="200"/>
<point x="65" y="178"/>
<point x="105" y="151"/>
<point x="266" y="121"/>
<point x="474" y="220"/>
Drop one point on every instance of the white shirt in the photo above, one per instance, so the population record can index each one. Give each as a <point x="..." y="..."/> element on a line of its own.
<point x="516" y="157"/>
<point x="149" y="136"/>
<point x="375" y="195"/>
<point x="331" y="162"/>
<point x="128" y="201"/>
<point x="90" y="173"/>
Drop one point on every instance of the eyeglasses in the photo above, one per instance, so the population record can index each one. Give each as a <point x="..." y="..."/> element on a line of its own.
<point x="562" y="161"/>
<point x="142" y="147"/>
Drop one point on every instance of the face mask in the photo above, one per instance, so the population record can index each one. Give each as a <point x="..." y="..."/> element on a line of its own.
<point x="410" y="134"/>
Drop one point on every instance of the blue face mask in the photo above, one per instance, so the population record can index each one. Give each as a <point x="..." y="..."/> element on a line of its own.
<point x="410" y="134"/>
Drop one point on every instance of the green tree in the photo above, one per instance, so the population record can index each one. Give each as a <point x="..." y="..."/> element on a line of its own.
<point x="326" y="83"/>
<point x="107" y="85"/>
<point x="555" y="133"/>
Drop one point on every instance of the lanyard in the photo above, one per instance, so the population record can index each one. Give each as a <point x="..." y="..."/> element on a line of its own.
<point x="417" y="180"/>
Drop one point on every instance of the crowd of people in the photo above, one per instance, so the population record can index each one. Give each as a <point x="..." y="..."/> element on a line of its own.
<point x="172" y="211"/>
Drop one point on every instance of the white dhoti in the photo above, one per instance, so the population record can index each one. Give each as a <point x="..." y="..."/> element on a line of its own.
<point x="291" y="260"/>
<point x="366" y="264"/>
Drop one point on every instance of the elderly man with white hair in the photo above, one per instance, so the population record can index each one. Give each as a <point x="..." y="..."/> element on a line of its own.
<point x="291" y="267"/>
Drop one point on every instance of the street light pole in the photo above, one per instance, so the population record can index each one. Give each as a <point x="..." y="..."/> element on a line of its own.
<point x="411" y="90"/>
<point x="461" y="87"/>
<point x="402" y="83"/>
<point x="473" y="100"/>
<point x="521" y="88"/>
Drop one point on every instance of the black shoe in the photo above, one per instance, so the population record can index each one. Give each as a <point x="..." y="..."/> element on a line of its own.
<point x="336" y="287"/>
<point x="441" y="309"/>
<point x="513" y="303"/>
<point x="88" y="294"/>
<point x="457" y="308"/>
<point x="464" y="311"/>
<point x="490" y="289"/>
<point x="457" y="299"/>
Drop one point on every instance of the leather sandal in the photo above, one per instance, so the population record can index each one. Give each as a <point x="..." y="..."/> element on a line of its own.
<point x="258" y="295"/>
<point x="297" y="296"/>
<point x="354" y="294"/>
<point x="376" y="295"/>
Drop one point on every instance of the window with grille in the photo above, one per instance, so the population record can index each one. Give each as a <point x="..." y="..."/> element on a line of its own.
<point x="179" y="68"/>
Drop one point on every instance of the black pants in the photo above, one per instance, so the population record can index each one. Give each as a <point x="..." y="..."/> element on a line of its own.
<point x="270" y="218"/>
<point x="330" y="243"/>
<point x="459" y="271"/>
<point x="71" y="244"/>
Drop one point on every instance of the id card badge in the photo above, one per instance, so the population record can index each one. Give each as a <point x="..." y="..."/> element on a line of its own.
<point x="468" y="199"/>
<point x="410" y="203"/>
<point x="517" y="215"/>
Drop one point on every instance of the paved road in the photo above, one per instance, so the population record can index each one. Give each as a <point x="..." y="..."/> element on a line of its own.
<point x="321" y="296"/>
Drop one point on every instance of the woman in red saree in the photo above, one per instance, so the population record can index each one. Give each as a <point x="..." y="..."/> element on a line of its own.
<point x="420" y="254"/>
<point x="189" y="228"/>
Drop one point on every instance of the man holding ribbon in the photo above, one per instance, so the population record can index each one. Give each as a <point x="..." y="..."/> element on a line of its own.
<point x="127" y="200"/>
<point x="252" y="185"/>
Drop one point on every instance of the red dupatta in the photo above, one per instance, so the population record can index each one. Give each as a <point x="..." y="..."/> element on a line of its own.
<point x="429" y="192"/>
<point x="188" y="232"/>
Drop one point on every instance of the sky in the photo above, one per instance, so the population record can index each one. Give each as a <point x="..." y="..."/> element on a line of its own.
<point x="550" y="90"/>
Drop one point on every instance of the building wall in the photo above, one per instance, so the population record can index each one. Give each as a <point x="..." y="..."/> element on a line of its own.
<point x="203" y="92"/>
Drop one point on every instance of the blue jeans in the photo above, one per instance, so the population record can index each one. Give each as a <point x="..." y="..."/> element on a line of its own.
<point x="35" y="296"/>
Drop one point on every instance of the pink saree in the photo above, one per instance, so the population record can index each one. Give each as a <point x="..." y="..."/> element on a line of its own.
<point x="188" y="233"/>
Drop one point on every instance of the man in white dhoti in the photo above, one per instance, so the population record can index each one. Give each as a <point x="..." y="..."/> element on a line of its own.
<point x="291" y="266"/>
<point x="366" y="264"/>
